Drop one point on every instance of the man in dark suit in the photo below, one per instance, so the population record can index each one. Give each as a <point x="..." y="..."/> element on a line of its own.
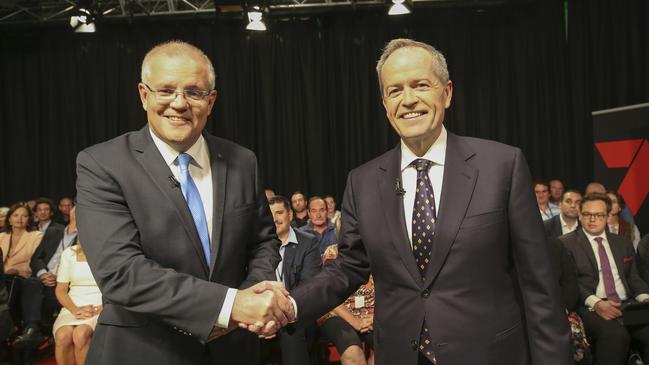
<point x="568" y="218"/>
<point x="450" y="231"/>
<point x="643" y="258"/>
<point x="37" y="291"/>
<point x="173" y="221"/>
<point x="608" y="278"/>
<point x="300" y="262"/>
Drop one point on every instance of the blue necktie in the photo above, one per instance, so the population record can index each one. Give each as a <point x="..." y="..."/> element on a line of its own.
<point x="423" y="230"/>
<point x="194" y="202"/>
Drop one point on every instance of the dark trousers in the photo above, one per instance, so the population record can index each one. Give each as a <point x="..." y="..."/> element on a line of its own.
<point x="611" y="340"/>
<point x="37" y="299"/>
<point x="296" y="342"/>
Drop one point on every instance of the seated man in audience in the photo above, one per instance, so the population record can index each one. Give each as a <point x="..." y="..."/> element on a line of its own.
<point x="319" y="224"/>
<point x="597" y="187"/>
<point x="39" y="289"/>
<point x="300" y="262"/>
<point x="300" y="215"/>
<point x="63" y="215"/>
<point x="556" y="191"/>
<point x="608" y="278"/>
<point x="568" y="218"/>
<point x="542" y="191"/>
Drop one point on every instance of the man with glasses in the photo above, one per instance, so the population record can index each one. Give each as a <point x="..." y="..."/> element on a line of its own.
<point x="608" y="279"/>
<point x="568" y="218"/>
<point x="175" y="225"/>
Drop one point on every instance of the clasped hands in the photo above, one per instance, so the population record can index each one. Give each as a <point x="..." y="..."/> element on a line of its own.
<point x="262" y="309"/>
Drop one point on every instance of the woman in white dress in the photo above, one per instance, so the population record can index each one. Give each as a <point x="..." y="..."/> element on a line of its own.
<point x="80" y="297"/>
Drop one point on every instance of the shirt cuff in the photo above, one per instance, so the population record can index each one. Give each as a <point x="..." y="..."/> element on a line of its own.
<point x="41" y="272"/>
<point x="294" y="308"/>
<point x="591" y="300"/>
<point x="642" y="297"/>
<point x="226" y="309"/>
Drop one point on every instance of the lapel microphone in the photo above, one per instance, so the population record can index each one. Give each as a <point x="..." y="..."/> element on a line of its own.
<point x="174" y="182"/>
<point x="398" y="187"/>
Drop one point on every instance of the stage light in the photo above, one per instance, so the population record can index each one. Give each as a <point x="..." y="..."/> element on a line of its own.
<point x="83" y="21"/>
<point x="398" y="8"/>
<point x="255" y="19"/>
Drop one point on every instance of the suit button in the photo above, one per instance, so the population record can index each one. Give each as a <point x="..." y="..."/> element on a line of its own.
<point x="414" y="344"/>
<point x="425" y="293"/>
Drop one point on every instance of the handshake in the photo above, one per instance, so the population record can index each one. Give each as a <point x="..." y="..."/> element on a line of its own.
<point x="262" y="309"/>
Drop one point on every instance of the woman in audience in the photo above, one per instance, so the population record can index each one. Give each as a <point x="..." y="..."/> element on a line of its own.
<point x="3" y="217"/>
<point x="351" y="323"/>
<point x="617" y="224"/>
<point x="18" y="242"/>
<point x="80" y="297"/>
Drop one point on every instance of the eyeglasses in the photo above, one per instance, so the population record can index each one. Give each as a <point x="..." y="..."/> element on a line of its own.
<point x="168" y="95"/>
<point x="597" y="216"/>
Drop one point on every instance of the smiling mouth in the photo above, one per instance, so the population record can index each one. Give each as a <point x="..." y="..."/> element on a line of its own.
<point x="176" y="120"/>
<point x="412" y="115"/>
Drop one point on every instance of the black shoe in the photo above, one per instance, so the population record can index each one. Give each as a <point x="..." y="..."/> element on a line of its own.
<point x="31" y="338"/>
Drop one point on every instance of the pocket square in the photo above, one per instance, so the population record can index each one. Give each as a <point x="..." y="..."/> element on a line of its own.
<point x="628" y="260"/>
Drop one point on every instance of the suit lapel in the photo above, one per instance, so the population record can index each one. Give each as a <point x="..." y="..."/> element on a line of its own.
<point x="154" y="165"/>
<point x="290" y="253"/>
<point x="457" y="189"/>
<point x="585" y="245"/>
<point x="389" y="172"/>
<point x="219" y="167"/>
<point x="618" y="252"/>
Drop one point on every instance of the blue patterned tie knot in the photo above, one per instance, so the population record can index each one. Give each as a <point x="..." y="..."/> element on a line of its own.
<point x="194" y="203"/>
<point x="422" y="165"/>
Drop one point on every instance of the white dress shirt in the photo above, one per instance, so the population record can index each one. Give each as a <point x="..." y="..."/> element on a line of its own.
<point x="437" y="154"/>
<point x="600" y="292"/>
<point x="565" y="228"/>
<point x="200" y="170"/>
<point x="292" y="238"/>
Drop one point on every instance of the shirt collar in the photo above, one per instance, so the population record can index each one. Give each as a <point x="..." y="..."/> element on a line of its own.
<point x="43" y="227"/>
<point x="198" y="151"/>
<point x="591" y="237"/>
<point x="292" y="237"/>
<point x="436" y="152"/>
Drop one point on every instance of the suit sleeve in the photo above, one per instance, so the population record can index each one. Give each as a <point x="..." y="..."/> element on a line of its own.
<point x="263" y="248"/>
<point x="124" y="274"/>
<point x="547" y="327"/>
<point x="338" y="278"/>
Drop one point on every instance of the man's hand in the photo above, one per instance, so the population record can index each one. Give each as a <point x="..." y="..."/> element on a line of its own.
<point x="608" y="309"/>
<point x="261" y="308"/>
<point x="48" y="279"/>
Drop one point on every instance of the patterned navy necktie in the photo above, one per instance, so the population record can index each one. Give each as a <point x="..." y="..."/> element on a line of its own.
<point x="424" y="217"/>
<point x="194" y="202"/>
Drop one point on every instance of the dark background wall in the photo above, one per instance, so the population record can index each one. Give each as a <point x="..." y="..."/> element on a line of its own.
<point x="304" y="95"/>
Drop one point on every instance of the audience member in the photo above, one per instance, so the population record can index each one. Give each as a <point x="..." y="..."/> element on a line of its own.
<point x="38" y="290"/>
<point x="80" y="297"/>
<point x="617" y="224"/>
<point x="556" y="191"/>
<point x="351" y="323"/>
<point x="62" y="216"/>
<point x="597" y="187"/>
<point x="269" y="193"/>
<point x="333" y="214"/>
<point x="542" y="191"/>
<point x="563" y="265"/>
<point x="6" y="324"/>
<point x="300" y="261"/>
<point x="300" y="214"/>
<point x="643" y="258"/>
<point x="18" y="242"/>
<point x="608" y="277"/>
<point x="3" y="217"/>
<point x="44" y="212"/>
<point x="568" y="218"/>
<point x="319" y="224"/>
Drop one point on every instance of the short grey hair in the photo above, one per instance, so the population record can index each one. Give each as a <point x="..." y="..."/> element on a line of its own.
<point x="439" y="62"/>
<point x="177" y="48"/>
